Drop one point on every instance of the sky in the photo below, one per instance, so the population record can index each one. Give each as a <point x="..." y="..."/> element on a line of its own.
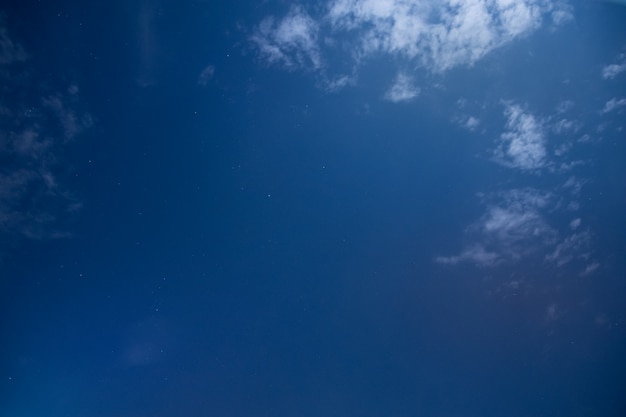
<point x="344" y="208"/>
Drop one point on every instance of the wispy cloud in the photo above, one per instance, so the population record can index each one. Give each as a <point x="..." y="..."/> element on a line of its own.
<point x="590" y="269"/>
<point x="437" y="36"/>
<point x="205" y="75"/>
<point x="522" y="145"/>
<point x="570" y="247"/>
<point x="512" y="227"/>
<point x="338" y="82"/>
<point x="291" y="41"/>
<point x="613" y="104"/>
<point x="10" y="51"/>
<point x="574" y="185"/>
<point x="516" y="219"/>
<point x="402" y="89"/>
<point x="471" y="123"/>
<point x="475" y="254"/>
<point x="62" y="107"/>
<point x="565" y="126"/>
<point x="613" y="70"/>
<point x="34" y="196"/>
<point x="515" y="226"/>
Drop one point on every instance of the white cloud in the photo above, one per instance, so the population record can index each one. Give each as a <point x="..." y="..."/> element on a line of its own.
<point x="437" y="35"/>
<point x="402" y="89"/>
<point x="471" y="123"/>
<point x="565" y="126"/>
<point x="291" y="41"/>
<point x="517" y="219"/>
<point x="338" y="83"/>
<point x="569" y="166"/>
<point x="512" y="227"/>
<point x="613" y="70"/>
<point x="442" y="34"/>
<point x="574" y="185"/>
<point x="522" y="144"/>
<point x="614" y="104"/>
<point x="515" y="227"/>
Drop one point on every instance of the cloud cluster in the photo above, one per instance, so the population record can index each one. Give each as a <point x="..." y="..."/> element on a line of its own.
<point x="437" y="35"/>
<point x="33" y="137"/>
<point x="434" y="37"/>
<point x="521" y="223"/>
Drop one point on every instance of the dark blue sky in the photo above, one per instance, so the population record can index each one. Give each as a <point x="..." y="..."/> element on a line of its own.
<point x="351" y="208"/>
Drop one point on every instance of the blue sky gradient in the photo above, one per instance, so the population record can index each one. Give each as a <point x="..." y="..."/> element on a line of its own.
<point x="347" y="208"/>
